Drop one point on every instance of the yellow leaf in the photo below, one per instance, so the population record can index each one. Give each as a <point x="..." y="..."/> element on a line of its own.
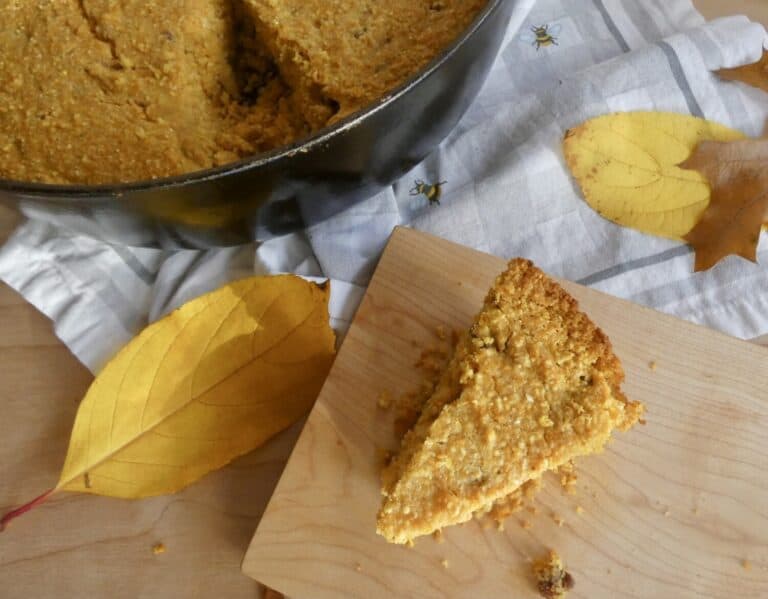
<point x="207" y="383"/>
<point x="626" y="166"/>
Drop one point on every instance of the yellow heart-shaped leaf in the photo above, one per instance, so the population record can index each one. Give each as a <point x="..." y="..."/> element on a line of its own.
<point x="626" y="166"/>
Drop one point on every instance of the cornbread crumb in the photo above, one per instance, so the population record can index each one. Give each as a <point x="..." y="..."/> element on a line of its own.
<point x="358" y="567"/>
<point x="667" y="513"/>
<point x="746" y="564"/>
<point x="432" y="361"/>
<point x="438" y="536"/>
<point x="558" y="519"/>
<point x="526" y="524"/>
<point x="444" y="563"/>
<point x="530" y="354"/>
<point x="158" y="548"/>
<point x="568" y="477"/>
<point x="652" y="365"/>
<point x="579" y="509"/>
<point x="384" y="400"/>
<point x="504" y="507"/>
<point x="533" y="509"/>
<point x="552" y="580"/>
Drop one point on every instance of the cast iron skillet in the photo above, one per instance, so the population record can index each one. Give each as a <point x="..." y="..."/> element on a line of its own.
<point x="292" y="187"/>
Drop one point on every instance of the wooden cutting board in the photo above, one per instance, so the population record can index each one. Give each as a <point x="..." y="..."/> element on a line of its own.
<point x="677" y="508"/>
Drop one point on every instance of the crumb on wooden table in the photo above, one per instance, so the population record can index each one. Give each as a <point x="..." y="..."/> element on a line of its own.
<point x="552" y="579"/>
<point x="559" y="520"/>
<point x="526" y="524"/>
<point x="444" y="563"/>
<point x="358" y="567"/>
<point x="158" y="548"/>
<point x="438" y="536"/>
<point x="579" y="509"/>
<point x="746" y="564"/>
<point x="652" y="364"/>
<point x="384" y="400"/>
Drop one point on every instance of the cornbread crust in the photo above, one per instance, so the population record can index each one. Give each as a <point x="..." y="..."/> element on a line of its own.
<point x="536" y="383"/>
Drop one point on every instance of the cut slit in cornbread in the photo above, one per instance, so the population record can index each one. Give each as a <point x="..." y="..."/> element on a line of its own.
<point x="340" y="56"/>
<point x="533" y="384"/>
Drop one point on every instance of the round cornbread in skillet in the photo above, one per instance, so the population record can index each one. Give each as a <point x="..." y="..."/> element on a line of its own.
<point x="108" y="91"/>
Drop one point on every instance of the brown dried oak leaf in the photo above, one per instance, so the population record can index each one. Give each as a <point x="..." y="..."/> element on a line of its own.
<point x="737" y="172"/>
<point x="755" y="74"/>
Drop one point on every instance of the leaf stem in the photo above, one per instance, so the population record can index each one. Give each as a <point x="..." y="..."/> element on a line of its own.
<point x="23" y="509"/>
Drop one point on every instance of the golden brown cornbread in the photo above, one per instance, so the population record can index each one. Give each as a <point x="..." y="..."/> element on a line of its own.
<point x="532" y="385"/>
<point x="105" y="91"/>
<point x="344" y="54"/>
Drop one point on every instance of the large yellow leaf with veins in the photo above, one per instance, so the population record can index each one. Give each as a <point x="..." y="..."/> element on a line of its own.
<point x="211" y="381"/>
<point x="626" y="166"/>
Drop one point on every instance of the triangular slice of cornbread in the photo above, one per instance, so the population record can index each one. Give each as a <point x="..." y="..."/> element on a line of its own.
<point x="532" y="385"/>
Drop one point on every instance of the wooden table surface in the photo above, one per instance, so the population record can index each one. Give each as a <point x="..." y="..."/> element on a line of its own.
<point x="94" y="547"/>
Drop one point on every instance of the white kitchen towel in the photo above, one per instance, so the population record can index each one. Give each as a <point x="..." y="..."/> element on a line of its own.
<point x="505" y="188"/>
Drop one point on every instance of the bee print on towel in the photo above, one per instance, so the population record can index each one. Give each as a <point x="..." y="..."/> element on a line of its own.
<point x="431" y="191"/>
<point x="541" y="35"/>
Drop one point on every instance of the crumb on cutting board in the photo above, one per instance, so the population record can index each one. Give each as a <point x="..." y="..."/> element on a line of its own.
<point x="158" y="548"/>
<point x="552" y="579"/>
<point x="568" y="477"/>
